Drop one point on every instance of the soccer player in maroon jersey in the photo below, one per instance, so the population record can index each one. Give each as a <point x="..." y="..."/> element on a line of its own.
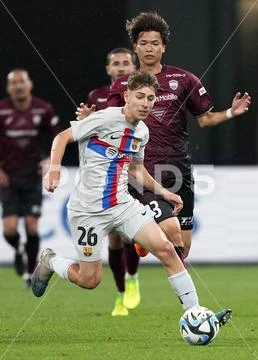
<point x="119" y="62"/>
<point x="166" y="154"/>
<point x="28" y="125"/>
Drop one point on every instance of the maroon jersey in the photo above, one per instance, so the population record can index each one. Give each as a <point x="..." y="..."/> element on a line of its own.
<point x="25" y="136"/>
<point x="99" y="97"/>
<point x="179" y="91"/>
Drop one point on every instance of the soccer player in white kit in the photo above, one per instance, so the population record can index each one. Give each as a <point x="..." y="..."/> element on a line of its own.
<point x="111" y="145"/>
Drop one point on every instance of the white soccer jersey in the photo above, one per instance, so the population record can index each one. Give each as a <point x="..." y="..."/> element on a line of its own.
<point x="107" y="146"/>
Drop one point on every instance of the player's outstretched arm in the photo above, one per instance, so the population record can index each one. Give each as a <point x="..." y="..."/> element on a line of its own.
<point x="139" y="172"/>
<point x="52" y="178"/>
<point x="240" y="105"/>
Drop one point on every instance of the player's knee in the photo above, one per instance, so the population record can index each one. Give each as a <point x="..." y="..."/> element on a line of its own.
<point x="173" y="232"/>
<point x="90" y="283"/>
<point x="166" y="252"/>
<point x="31" y="226"/>
<point x="177" y="239"/>
<point x="10" y="231"/>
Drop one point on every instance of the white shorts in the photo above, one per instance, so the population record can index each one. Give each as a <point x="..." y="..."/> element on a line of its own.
<point x="89" y="230"/>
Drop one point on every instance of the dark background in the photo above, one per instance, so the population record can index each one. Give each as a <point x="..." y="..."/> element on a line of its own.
<point x="73" y="39"/>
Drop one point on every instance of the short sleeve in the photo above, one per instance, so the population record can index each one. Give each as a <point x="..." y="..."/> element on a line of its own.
<point x="88" y="127"/>
<point x="198" y="101"/>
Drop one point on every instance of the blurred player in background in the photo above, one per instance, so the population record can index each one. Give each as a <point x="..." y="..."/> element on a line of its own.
<point x="123" y="259"/>
<point x="111" y="144"/>
<point x="119" y="61"/>
<point x="28" y="125"/>
<point x="167" y="152"/>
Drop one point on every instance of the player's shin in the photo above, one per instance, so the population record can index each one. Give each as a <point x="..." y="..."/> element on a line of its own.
<point x="117" y="265"/>
<point x="183" y="286"/>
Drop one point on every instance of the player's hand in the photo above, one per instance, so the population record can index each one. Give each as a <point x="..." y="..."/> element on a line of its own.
<point x="51" y="180"/>
<point x="175" y="199"/>
<point x="240" y="105"/>
<point x="4" y="179"/>
<point x="83" y="111"/>
<point x="44" y="165"/>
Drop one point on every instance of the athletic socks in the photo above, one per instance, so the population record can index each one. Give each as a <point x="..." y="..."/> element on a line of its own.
<point x="131" y="259"/>
<point x="32" y="248"/>
<point x="60" y="266"/>
<point x="184" y="287"/>
<point x="117" y="265"/>
<point x="131" y="277"/>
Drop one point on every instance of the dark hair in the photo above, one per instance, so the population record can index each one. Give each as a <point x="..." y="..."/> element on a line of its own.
<point x="147" y="21"/>
<point x="121" y="50"/>
<point x="139" y="79"/>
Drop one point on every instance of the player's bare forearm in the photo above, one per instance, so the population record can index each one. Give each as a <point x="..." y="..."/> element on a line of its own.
<point x="240" y="105"/>
<point x="52" y="178"/>
<point x="212" y="119"/>
<point x="139" y="172"/>
<point x="58" y="147"/>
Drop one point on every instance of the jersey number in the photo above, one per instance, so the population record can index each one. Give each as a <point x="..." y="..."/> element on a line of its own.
<point x="91" y="237"/>
<point x="155" y="207"/>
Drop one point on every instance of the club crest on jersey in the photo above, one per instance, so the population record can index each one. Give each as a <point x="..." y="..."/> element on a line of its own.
<point x="135" y="144"/>
<point x="202" y="91"/>
<point x="36" y="119"/>
<point x="173" y="84"/>
<point x="87" y="251"/>
<point x="111" y="152"/>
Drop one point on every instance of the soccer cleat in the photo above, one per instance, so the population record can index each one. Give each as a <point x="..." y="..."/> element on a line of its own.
<point x="42" y="273"/>
<point x="224" y="316"/>
<point x="18" y="263"/>
<point x="140" y="250"/>
<point x="119" y="308"/>
<point x="132" y="297"/>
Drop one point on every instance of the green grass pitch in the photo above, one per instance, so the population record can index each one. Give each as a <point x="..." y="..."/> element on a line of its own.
<point x="72" y="323"/>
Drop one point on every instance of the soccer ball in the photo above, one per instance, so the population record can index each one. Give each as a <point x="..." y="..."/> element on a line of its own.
<point x="199" y="326"/>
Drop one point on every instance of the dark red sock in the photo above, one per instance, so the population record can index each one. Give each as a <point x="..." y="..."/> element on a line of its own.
<point x="117" y="265"/>
<point x="131" y="259"/>
<point x="32" y="249"/>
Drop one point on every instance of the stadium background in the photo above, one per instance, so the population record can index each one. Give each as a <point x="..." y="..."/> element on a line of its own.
<point x="74" y="40"/>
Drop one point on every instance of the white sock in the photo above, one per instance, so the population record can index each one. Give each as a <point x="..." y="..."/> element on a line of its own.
<point x="184" y="287"/>
<point x="26" y="276"/>
<point x="61" y="266"/>
<point x="130" y="277"/>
